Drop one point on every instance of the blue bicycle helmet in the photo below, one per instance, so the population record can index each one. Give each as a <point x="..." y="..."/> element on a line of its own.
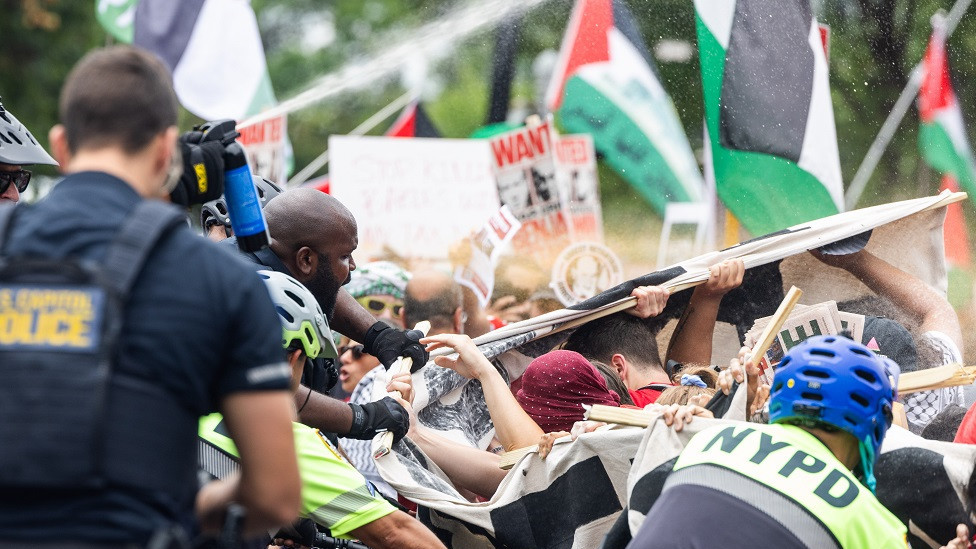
<point x="835" y="381"/>
<point x="215" y="211"/>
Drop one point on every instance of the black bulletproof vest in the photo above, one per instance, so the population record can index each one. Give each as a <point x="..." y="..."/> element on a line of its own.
<point x="68" y="417"/>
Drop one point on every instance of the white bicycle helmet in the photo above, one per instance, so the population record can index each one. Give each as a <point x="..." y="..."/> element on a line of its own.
<point x="17" y="145"/>
<point x="301" y="317"/>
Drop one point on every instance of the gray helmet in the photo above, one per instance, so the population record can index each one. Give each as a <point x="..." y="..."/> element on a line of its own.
<point x="17" y="145"/>
<point x="215" y="211"/>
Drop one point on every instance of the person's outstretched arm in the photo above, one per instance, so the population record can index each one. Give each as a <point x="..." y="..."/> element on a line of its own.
<point x="513" y="427"/>
<point x="691" y="342"/>
<point x="916" y="298"/>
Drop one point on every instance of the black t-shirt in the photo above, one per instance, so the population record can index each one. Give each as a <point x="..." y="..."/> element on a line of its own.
<point x="199" y="323"/>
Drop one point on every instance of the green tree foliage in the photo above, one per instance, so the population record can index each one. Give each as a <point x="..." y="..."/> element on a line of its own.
<point x="874" y="45"/>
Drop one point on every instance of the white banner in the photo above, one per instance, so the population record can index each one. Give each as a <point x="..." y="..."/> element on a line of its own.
<point x="417" y="196"/>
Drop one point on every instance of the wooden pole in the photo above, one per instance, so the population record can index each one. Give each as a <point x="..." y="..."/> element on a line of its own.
<point x="402" y="364"/>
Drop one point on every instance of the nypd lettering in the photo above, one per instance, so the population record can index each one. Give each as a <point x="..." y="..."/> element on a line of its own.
<point x="832" y="486"/>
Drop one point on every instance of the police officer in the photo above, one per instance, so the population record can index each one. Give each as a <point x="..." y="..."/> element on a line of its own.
<point x="334" y="494"/>
<point x="18" y="148"/>
<point x="791" y="483"/>
<point x="313" y="237"/>
<point x="103" y="385"/>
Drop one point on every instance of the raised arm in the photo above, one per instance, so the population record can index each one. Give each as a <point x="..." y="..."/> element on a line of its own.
<point x="907" y="292"/>
<point x="513" y="427"/>
<point x="691" y="342"/>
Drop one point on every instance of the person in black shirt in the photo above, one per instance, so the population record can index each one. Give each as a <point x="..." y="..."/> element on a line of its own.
<point x="188" y="345"/>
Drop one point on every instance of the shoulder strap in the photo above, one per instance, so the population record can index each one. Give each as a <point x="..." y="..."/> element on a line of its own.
<point x="6" y="215"/>
<point x="140" y="232"/>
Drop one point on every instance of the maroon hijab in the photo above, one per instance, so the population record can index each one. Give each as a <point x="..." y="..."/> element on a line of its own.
<point x="555" y="385"/>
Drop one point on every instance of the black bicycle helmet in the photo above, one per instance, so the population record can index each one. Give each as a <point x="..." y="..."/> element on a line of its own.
<point x="215" y="212"/>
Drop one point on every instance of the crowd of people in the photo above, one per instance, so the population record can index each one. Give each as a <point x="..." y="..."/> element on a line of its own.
<point x="169" y="390"/>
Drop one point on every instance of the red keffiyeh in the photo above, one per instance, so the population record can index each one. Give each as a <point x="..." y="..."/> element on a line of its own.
<point x="557" y="384"/>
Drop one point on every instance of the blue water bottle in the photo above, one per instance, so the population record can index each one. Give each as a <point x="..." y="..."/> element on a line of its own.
<point x="243" y="205"/>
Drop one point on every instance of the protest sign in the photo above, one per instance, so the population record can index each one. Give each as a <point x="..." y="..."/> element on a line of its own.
<point x="265" y="144"/>
<point x="525" y="173"/>
<point x="486" y="247"/>
<point x="416" y="196"/>
<point x="580" y="187"/>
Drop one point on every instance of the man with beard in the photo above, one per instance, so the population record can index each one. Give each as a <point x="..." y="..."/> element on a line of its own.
<point x="313" y="237"/>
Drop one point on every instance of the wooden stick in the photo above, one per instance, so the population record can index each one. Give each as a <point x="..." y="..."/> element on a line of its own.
<point x="950" y="375"/>
<point x="509" y="459"/>
<point x="620" y="416"/>
<point x="402" y="364"/>
<point x="775" y="323"/>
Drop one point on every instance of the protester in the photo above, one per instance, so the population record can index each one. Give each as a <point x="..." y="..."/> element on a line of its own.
<point x="434" y="296"/>
<point x="313" y="237"/>
<point x="791" y="482"/>
<point x="555" y="387"/>
<point x="934" y="317"/>
<point x="19" y="149"/>
<point x="334" y="494"/>
<point x="106" y="454"/>
<point x="693" y="385"/>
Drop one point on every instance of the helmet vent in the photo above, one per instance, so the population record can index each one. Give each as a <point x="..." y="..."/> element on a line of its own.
<point x="811" y="396"/>
<point x="221" y="207"/>
<point x="862" y="352"/>
<point x="14" y="137"/>
<point x="285" y="314"/>
<point x="859" y="399"/>
<point x="816" y="373"/>
<point x="822" y="352"/>
<point x="31" y="137"/>
<point x="865" y="375"/>
<point x="294" y="297"/>
<point x="5" y="139"/>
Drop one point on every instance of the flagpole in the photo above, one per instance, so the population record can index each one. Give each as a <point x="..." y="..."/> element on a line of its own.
<point x="890" y="126"/>
<point x="367" y="125"/>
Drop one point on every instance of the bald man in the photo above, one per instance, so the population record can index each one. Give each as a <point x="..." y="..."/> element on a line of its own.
<point x="313" y="237"/>
<point x="434" y="296"/>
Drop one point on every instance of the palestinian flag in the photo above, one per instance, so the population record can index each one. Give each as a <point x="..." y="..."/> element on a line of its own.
<point x="942" y="135"/>
<point x="768" y="113"/>
<point x="605" y="85"/>
<point x="212" y="47"/>
<point x="413" y="122"/>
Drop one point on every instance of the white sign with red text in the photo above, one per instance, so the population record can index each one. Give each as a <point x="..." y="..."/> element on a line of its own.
<point x="580" y="186"/>
<point x="486" y="247"/>
<point x="525" y="173"/>
<point x="265" y="144"/>
<point x="416" y="196"/>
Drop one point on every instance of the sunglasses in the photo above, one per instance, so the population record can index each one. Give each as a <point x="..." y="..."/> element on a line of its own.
<point x="357" y="351"/>
<point x="376" y="306"/>
<point x="19" y="179"/>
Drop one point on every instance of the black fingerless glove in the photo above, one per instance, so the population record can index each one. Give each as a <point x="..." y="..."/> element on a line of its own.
<point x="387" y="343"/>
<point x="371" y="418"/>
<point x="203" y="170"/>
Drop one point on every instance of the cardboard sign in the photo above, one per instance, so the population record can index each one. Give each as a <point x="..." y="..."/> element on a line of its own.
<point x="525" y="173"/>
<point x="486" y="247"/>
<point x="416" y="196"/>
<point x="265" y="144"/>
<point x="580" y="186"/>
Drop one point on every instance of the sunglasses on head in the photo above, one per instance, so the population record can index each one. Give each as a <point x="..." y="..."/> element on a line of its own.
<point x="376" y="306"/>
<point x="19" y="179"/>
